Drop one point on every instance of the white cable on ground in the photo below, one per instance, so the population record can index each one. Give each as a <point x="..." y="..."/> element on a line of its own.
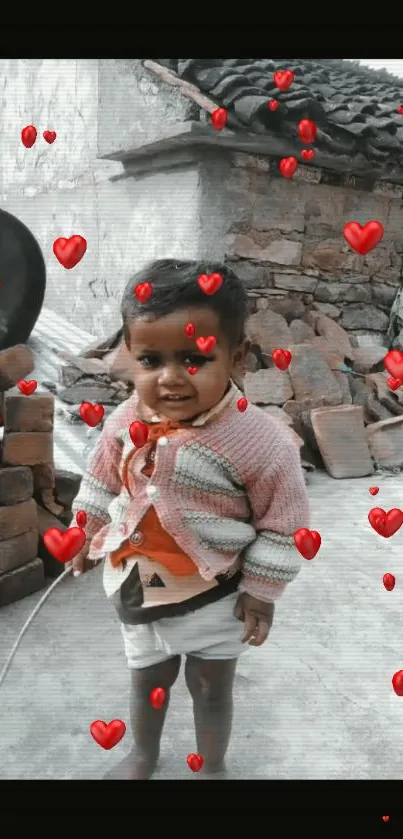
<point x="28" y="622"/>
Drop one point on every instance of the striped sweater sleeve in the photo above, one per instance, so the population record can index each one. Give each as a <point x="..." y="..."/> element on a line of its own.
<point x="101" y="482"/>
<point x="280" y="504"/>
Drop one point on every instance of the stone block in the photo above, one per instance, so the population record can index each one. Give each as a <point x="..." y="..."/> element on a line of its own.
<point x="335" y="335"/>
<point x="279" y="208"/>
<point x="279" y="251"/>
<point x="335" y="292"/>
<point x="16" y="363"/>
<point x="340" y="435"/>
<point x="269" y="330"/>
<point x="43" y="476"/>
<point x="364" y="316"/>
<point x="383" y="295"/>
<point x="295" y="282"/>
<point x="21" y="582"/>
<point x="27" y="449"/>
<point x="367" y="357"/>
<point x="301" y="331"/>
<point x="16" y="485"/>
<point x="311" y="376"/>
<point x="327" y="309"/>
<point x="17" y="519"/>
<point x="290" y="308"/>
<point x="385" y="440"/>
<point x="342" y="380"/>
<point x="328" y="256"/>
<point x="28" y="413"/>
<point x="331" y="354"/>
<point x="18" y="551"/>
<point x="268" y="387"/>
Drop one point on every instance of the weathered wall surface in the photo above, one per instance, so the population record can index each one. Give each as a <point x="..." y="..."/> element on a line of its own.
<point x="285" y="239"/>
<point x="63" y="189"/>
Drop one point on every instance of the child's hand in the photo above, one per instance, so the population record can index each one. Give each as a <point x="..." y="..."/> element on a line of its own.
<point x="81" y="563"/>
<point x="257" y="616"/>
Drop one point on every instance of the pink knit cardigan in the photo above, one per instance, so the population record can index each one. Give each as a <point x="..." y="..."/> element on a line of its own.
<point x="230" y="489"/>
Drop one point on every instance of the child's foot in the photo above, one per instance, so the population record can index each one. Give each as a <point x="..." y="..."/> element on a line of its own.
<point x="212" y="772"/>
<point x="133" y="767"/>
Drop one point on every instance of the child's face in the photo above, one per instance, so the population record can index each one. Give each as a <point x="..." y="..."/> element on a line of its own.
<point x="162" y="353"/>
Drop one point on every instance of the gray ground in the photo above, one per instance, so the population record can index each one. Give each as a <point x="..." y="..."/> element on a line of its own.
<point x="316" y="702"/>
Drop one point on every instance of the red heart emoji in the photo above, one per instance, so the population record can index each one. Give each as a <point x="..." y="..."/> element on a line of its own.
<point x="393" y="362"/>
<point x="190" y="330"/>
<point x="28" y="136"/>
<point x="394" y="384"/>
<point x="374" y="490"/>
<point x="400" y="109"/>
<point x="27" y="387"/>
<point x="91" y="414"/>
<point x="363" y="239"/>
<point x="283" y="79"/>
<point x="81" y="518"/>
<point x="69" y="252"/>
<point x="307" y="542"/>
<point x="195" y="762"/>
<point x="389" y="581"/>
<point x="307" y="131"/>
<point x="385" y="818"/>
<point x="242" y="404"/>
<point x="287" y="166"/>
<point x="206" y="345"/>
<point x="219" y="118"/>
<point x="157" y="698"/>
<point x="385" y="524"/>
<point x="143" y="292"/>
<point x="138" y="433"/>
<point x="49" y="136"/>
<point x="281" y="358"/>
<point x="192" y="370"/>
<point x="210" y="283"/>
<point x="108" y="734"/>
<point x="64" y="546"/>
<point x="397" y="682"/>
<point x="273" y="104"/>
<point x="307" y="154"/>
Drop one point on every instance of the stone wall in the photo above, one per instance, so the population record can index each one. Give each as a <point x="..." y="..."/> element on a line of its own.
<point x="285" y="239"/>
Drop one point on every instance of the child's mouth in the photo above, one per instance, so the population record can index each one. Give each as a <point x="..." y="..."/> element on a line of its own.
<point x="176" y="399"/>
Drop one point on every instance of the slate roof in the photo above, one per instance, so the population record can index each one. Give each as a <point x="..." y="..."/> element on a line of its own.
<point x="355" y="109"/>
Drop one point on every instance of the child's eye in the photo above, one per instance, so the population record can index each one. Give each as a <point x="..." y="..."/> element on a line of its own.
<point x="149" y="361"/>
<point x="196" y="360"/>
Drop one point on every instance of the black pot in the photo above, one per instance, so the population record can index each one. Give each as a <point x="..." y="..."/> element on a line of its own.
<point x="22" y="281"/>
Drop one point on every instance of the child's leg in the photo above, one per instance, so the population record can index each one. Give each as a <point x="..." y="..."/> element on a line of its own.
<point x="210" y="683"/>
<point x="146" y="722"/>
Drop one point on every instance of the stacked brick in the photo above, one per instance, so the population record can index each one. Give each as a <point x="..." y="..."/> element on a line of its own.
<point x="21" y="571"/>
<point x="28" y="482"/>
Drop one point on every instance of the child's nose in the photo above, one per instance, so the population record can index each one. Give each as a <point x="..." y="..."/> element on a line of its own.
<point x="171" y="374"/>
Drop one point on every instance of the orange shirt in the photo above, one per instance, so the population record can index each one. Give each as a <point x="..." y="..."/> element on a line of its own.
<point x="156" y="543"/>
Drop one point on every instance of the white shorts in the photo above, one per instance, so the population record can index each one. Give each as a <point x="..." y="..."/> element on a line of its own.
<point x="211" y="632"/>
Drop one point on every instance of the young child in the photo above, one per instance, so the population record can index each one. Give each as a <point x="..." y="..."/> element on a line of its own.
<point x="195" y="518"/>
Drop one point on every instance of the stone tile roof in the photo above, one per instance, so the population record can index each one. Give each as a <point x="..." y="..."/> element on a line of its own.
<point x="355" y="109"/>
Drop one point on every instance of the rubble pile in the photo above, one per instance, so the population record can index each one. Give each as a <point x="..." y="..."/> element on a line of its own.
<point x="334" y="395"/>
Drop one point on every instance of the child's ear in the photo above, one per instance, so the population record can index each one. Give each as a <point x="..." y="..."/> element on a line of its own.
<point x="239" y="356"/>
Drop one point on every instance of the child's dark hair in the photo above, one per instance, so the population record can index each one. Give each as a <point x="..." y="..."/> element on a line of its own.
<point x="174" y="286"/>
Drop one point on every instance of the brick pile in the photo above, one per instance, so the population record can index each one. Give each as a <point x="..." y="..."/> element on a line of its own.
<point x="33" y="496"/>
<point x="334" y="395"/>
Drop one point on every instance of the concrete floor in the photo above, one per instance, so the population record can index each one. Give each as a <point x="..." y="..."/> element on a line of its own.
<point x="315" y="702"/>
